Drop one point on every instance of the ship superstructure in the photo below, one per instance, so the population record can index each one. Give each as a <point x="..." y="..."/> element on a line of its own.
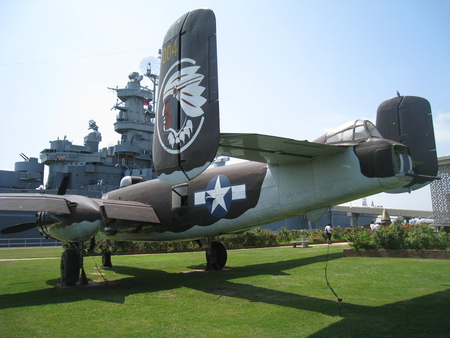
<point x="27" y="174"/>
<point x="134" y="122"/>
<point x="92" y="171"/>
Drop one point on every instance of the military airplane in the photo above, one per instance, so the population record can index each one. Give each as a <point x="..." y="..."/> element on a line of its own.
<point x="282" y="178"/>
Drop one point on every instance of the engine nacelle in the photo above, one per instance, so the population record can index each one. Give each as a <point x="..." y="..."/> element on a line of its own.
<point x="81" y="224"/>
<point x="383" y="158"/>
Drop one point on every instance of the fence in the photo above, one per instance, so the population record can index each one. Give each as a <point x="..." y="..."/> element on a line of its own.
<point x="28" y="242"/>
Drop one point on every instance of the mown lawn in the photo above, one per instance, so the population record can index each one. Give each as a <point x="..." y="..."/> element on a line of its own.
<point x="264" y="292"/>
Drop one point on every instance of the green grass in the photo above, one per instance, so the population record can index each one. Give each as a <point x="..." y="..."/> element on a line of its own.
<point x="265" y="292"/>
<point x="53" y="252"/>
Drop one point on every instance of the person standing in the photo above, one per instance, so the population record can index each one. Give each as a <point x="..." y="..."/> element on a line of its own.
<point x="328" y="232"/>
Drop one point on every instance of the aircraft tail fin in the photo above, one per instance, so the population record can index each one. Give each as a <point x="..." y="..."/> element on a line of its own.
<point x="187" y="119"/>
<point x="408" y="120"/>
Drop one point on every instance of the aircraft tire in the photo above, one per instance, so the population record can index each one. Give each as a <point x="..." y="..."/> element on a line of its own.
<point x="218" y="256"/>
<point x="70" y="268"/>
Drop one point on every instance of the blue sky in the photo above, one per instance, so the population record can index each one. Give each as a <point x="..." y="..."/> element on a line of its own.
<point x="288" y="68"/>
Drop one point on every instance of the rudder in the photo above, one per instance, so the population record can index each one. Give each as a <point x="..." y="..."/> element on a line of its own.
<point x="187" y="119"/>
<point x="408" y="120"/>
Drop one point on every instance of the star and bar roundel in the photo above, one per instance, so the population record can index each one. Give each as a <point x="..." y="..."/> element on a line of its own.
<point x="219" y="195"/>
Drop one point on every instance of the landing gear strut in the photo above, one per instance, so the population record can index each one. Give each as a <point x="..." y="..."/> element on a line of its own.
<point x="216" y="255"/>
<point x="106" y="259"/>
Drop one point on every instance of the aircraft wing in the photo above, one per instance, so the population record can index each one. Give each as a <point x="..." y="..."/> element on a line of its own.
<point x="34" y="202"/>
<point x="128" y="210"/>
<point x="272" y="149"/>
<point x="124" y="210"/>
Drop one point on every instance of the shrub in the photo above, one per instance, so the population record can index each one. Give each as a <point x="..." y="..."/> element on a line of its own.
<point x="391" y="237"/>
<point x="424" y="238"/>
<point x="399" y="236"/>
<point x="361" y="239"/>
<point x="340" y="233"/>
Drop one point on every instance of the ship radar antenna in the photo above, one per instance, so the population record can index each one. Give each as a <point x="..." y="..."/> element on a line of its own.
<point x="149" y="67"/>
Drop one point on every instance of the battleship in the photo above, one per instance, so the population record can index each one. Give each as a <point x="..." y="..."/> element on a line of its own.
<point x="87" y="169"/>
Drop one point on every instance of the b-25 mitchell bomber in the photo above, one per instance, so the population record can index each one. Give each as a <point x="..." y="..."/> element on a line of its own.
<point x="283" y="178"/>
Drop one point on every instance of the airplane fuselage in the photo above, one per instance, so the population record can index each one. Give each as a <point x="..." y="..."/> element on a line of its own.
<point x="237" y="197"/>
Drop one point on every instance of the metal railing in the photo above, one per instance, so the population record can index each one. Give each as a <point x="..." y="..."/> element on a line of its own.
<point x="28" y="242"/>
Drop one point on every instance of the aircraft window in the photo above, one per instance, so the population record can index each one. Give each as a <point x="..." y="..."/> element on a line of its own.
<point x="373" y="130"/>
<point x="334" y="138"/>
<point x="345" y="126"/>
<point x="347" y="135"/>
<point x="360" y="132"/>
<point x="357" y="130"/>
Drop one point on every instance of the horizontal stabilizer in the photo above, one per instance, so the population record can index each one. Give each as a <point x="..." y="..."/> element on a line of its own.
<point x="272" y="149"/>
<point x="131" y="211"/>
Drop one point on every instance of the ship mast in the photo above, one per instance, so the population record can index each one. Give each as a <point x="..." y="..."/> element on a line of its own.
<point x="135" y="122"/>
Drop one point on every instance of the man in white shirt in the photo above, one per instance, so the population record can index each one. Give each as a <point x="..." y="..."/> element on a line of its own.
<point x="328" y="232"/>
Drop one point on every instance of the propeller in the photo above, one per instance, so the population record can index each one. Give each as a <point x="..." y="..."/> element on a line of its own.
<point x="18" y="228"/>
<point x="63" y="186"/>
<point x="27" y="226"/>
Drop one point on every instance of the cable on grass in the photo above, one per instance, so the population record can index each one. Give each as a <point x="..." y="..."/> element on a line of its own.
<point x="98" y="269"/>
<point x="328" y="284"/>
<point x="326" y="273"/>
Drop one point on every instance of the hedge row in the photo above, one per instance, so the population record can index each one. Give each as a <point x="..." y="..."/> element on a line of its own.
<point x="255" y="237"/>
<point x="395" y="236"/>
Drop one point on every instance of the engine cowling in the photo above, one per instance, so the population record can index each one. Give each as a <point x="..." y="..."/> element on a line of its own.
<point x="383" y="158"/>
<point x="81" y="224"/>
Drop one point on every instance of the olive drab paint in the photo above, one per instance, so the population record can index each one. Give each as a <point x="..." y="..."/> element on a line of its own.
<point x="187" y="120"/>
<point x="408" y="120"/>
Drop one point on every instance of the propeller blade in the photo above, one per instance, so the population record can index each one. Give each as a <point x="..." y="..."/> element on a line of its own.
<point x="18" y="228"/>
<point x="63" y="186"/>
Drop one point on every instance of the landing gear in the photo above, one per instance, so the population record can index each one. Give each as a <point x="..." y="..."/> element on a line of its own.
<point x="70" y="267"/>
<point x="106" y="259"/>
<point x="216" y="256"/>
<point x="71" y="263"/>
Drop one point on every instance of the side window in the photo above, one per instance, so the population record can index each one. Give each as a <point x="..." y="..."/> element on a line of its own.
<point x="347" y="135"/>
<point x="360" y="132"/>
<point x="373" y="130"/>
<point x="334" y="138"/>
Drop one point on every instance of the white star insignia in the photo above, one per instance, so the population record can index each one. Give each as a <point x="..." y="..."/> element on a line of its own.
<point x="219" y="198"/>
<point x="218" y="195"/>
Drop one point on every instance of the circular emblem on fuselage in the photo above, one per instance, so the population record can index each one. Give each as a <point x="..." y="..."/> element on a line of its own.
<point x="219" y="194"/>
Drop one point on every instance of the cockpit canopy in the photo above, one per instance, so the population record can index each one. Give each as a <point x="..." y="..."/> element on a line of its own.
<point x="350" y="132"/>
